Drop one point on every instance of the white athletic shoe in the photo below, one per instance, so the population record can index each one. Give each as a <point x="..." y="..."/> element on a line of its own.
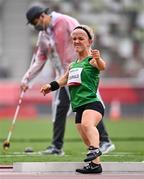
<point x="52" y="150"/>
<point x="106" y="147"/>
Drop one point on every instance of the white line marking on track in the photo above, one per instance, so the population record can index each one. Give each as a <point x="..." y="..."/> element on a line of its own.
<point x="23" y="154"/>
<point x="39" y="153"/>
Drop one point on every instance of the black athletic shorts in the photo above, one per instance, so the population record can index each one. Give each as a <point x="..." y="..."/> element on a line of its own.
<point x="97" y="106"/>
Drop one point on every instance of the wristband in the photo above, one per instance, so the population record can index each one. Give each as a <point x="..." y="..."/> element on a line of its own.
<point x="54" y="85"/>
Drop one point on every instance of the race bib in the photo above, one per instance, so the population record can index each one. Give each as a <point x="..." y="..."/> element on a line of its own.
<point x="74" y="77"/>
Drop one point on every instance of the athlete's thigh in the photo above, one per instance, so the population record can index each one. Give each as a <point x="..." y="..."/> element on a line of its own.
<point x="91" y="117"/>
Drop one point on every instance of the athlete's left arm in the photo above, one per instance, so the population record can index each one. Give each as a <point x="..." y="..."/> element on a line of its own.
<point x="97" y="61"/>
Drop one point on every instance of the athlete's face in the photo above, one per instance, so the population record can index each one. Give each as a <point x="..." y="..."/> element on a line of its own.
<point x="80" y="40"/>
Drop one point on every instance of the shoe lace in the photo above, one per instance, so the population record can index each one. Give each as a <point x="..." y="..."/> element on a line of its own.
<point x="88" y="166"/>
<point x="93" y="150"/>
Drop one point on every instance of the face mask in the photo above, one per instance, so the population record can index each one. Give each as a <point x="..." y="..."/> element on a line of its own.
<point x="39" y="27"/>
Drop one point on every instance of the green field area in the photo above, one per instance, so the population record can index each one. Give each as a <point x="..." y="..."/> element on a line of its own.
<point x="127" y="135"/>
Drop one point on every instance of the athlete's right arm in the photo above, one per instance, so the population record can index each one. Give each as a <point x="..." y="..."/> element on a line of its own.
<point x="62" y="81"/>
<point x="54" y="85"/>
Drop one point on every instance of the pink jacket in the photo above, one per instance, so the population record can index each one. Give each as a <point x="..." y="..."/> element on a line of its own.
<point x="55" y="39"/>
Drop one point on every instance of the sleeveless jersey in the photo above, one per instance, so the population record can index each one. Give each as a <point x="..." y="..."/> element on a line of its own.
<point x="83" y="83"/>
